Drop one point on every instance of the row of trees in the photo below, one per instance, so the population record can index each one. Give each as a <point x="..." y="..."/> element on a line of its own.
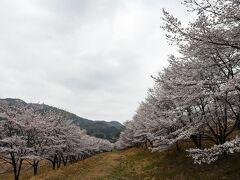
<point x="34" y="133"/>
<point x="198" y="95"/>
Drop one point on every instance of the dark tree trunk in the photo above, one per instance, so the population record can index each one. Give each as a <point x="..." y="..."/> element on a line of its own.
<point x="53" y="165"/>
<point x="35" y="166"/>
<point x="54" y="162"/>
<point x="197" y="140"/>
<point x="17" y="169"/>
<point x="16" y="166"/>
<point x="58" y="162"/>
<point x="177" y="147"/>
<point x="65" y="160"/>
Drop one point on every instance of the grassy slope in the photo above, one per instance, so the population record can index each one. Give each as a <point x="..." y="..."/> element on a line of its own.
<point x="141" y="164"/>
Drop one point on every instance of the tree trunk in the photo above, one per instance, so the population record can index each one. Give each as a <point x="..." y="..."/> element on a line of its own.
<point x="35" y="166"/>
<point x="197" y="140"/>
<point x="53" y="165"/>
<point x="65" y="160"/>
<point x="177" y="147"/>
<point x="17" y="169"/>
<point x="54" y="161"/>
<point x="59" y="162"/>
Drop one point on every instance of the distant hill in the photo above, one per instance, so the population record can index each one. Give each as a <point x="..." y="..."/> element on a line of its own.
<point x="101" y="129"/>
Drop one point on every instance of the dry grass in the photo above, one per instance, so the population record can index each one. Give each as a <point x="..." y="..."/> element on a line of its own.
<point x="26" y="172"/>
<point x="93" y="167"/>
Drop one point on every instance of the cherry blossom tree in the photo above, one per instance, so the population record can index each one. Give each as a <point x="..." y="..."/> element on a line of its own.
<point x="211" y="44"/>
<point x="198" y="94"/>
<point x="216" y="152"/>
<point x="13" y="145"/>
<point x="33" y="133"/>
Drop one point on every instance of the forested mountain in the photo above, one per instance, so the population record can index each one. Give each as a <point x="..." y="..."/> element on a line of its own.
<point x="101" y="129"/>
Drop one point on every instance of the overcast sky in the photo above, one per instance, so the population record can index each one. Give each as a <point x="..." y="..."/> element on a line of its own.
<point x="91" y="57"/>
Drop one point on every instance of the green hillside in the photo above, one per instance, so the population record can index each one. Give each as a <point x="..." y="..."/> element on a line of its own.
<point x="101" y="129"/>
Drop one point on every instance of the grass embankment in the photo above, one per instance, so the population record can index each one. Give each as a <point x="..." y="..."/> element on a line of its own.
<point x="142" y="164"/>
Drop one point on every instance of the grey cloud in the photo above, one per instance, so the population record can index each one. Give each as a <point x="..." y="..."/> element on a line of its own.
<point x="91" y="57"/>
